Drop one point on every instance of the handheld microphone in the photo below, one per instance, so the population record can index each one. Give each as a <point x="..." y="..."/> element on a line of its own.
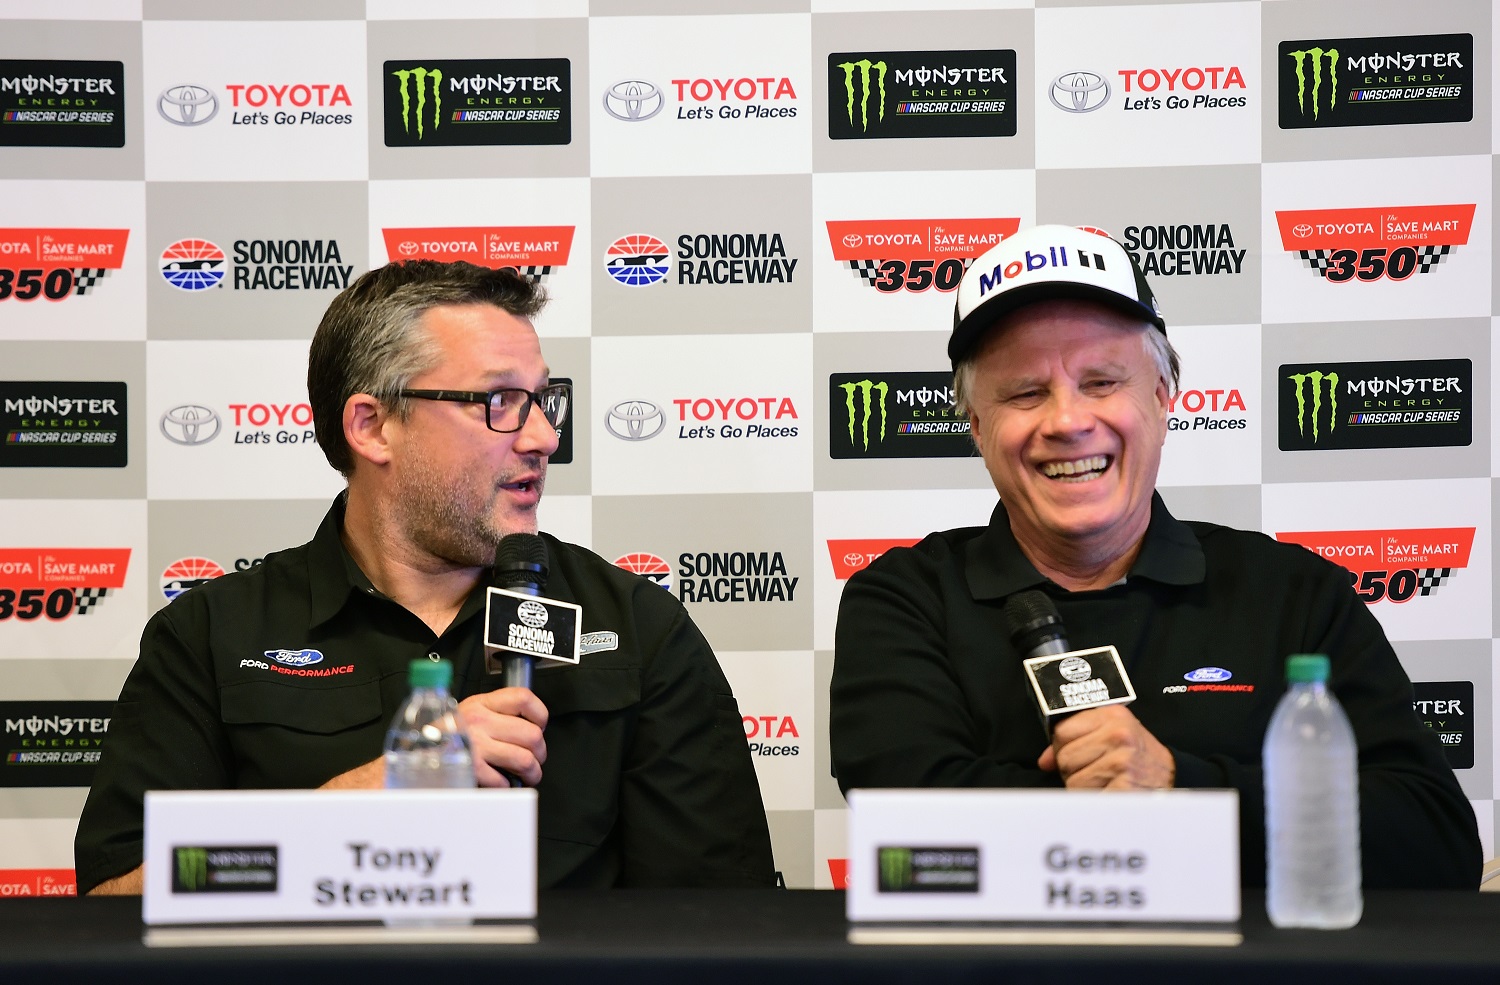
<point x="521" y="566"/>
<point x="1062" y="680"/>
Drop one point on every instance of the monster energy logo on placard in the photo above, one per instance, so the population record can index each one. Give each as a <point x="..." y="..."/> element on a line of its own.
<point x="1407" y="403"/>
<point x="865" y="388"/>
<point x="864" y="65"/>
<point x="927" y="870"/>
<point x="225" y="868"/>
<point x="895" y="869"/>
<point x="921" y="94"/>
<point x="1315" y="379"/>
<point x="895" y="415"/>
<point x="192" y="869"/>
<point x="1314" y="57"/>
<point x="467" y="102"/>
<point x="420" y="75"/>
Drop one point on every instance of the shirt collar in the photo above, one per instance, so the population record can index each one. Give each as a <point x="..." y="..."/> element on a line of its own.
<point x="335" y="577"/>
<point x="995" y="567"/>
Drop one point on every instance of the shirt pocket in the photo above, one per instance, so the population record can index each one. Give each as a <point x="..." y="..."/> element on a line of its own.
<point x="590" y="720"/>
<point x="316" y="710"/>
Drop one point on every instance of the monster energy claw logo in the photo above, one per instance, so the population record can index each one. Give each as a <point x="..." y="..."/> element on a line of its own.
<point x="1316" y="378"/>
<point x="895" y="869"/>
<point x="865" y="388"/>
<point x="192" y="868"/>
<point x="864" y="65"/>
<point x="1315" y="56"/>
<point x="421" y="75"/>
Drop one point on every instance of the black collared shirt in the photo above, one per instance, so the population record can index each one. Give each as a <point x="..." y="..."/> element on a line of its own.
<point x="929" y="692"/>
<point x="648" y="779"/>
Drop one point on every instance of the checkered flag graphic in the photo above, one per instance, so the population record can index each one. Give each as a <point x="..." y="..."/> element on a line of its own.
<point x="84" y="599"/>
<point x="1317" y="260"/>
<point x="1428" y="579"/>
<point x="84" y="278"/>
<point x="535" y="274"/>
<point x="1430" y="256"/>
<point x="866" y="270"/>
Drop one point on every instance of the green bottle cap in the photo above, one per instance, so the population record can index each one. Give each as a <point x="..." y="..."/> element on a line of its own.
<point x="430" y="673"/>
<point x="1307" y="668"/>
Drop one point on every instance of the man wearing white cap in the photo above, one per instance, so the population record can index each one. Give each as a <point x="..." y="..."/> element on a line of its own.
<point x="1062" y="364"/>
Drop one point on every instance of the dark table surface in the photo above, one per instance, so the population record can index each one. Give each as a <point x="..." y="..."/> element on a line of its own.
<point x="766" y="937"/>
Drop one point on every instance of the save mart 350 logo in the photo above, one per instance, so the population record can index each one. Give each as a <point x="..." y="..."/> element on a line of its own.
<point x="57" y="263"/>
<point x="894" y="255"/>
<point x="1392" y="565"/>
<point x="58" y="582"/>
<point x="1367" y="244"/>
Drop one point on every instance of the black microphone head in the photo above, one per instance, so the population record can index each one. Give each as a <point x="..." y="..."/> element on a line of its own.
<point x="521" y="559"/>
<point x="1033" y="620"/>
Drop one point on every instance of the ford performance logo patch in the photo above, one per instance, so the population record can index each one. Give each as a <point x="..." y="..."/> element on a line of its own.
<point x="1207" y="675"/>
<point x="296" y="658"/>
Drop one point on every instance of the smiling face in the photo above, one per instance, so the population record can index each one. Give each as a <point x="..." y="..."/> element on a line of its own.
<point x="1070" y="415"/>
<point x="456" y="486"/>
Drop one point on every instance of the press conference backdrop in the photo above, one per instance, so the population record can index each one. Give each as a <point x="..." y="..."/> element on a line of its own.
<point x="751" y="223"/>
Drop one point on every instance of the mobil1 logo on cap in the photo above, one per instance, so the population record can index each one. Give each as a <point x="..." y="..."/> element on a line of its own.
<point x="532" y="625"/>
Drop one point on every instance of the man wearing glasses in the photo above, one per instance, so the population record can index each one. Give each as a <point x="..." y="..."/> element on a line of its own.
<point x="423" y="378"/>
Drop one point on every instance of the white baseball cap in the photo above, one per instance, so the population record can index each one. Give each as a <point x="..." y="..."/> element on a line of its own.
<point x="1043" y="263"/>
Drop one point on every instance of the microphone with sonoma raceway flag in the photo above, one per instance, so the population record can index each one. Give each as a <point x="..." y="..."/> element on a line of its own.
<point x="1062" y="680"/>
<point x="520" y="624"/>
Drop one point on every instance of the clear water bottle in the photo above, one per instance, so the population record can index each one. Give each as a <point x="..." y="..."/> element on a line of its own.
<point x="1312" y="805"/>
<point x="426" y="747"/>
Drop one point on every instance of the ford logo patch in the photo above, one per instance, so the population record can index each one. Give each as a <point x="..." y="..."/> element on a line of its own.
<point x="1207" y="675"/>
<point x="295" y="658"/>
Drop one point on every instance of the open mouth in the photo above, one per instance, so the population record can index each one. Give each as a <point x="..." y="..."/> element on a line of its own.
<point x="522" y="486"/>
<point x="1078" y="469"/>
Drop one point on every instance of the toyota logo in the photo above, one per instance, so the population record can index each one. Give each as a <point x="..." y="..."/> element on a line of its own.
<point x="633" y="100"/>
<point x="854" y="240"/>
<point x="190" y="424"/>
<point x="408" y="248"/>
<point x="635" y="420"/>
<point x="187" y="106"/>
<point x="1302" y="230"/>
<point x="533" y="614"/>
<point x="1079" y="92"/>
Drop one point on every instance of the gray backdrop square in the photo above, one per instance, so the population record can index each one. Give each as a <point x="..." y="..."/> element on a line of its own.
<point x="956" y="30"/>
<point x="1230" y="506"/>
<point x="401" y="40"/>
<point x="1132" y="203"/>
<point x="1461" y="660"/>
<point x="669" y="526"/>
<point x="252" y="211"/>
<point x="93" y="362"/>
<point x="668" y="208"/>
<point x="883" y="352"/>
<point x="1449" y="338"/>
<point x="81" y="40"/>
<point x="1375" y="18"/>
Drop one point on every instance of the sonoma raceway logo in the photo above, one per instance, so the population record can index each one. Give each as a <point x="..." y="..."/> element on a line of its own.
<point x="59" y="582"/>
<point x="640" y="259"/>
<point x="532" y="251"/>
<point x="57" y="263"/>
<point x="1367" y="244"/>
<point x="1392" y="565"/>
<point x="914" y="255"/>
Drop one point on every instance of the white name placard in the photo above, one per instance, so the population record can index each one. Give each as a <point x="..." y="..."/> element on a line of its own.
<point x="236" y="856"/>
<point x="1044" y="855"/>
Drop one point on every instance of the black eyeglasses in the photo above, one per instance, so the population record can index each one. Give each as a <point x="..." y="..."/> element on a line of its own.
<point x="505" y="409"/>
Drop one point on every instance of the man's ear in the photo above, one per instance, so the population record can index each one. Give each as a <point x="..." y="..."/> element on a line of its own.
<point x="365" y="420"/>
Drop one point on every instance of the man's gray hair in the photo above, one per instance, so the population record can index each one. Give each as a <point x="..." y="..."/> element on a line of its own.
<point x="371" y="340"/>
<point x="1158" y="348"/>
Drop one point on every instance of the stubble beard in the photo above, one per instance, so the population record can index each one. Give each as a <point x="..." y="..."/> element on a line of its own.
<point x="449" y="519"/>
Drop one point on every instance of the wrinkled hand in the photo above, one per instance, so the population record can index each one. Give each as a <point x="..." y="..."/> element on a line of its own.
<point x="505" y="734"/>
<point x="1108" y="748"/>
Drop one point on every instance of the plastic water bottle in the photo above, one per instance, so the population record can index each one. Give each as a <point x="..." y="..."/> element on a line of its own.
<point x="426" y="747"/>
<point x="1312" y="805"/>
